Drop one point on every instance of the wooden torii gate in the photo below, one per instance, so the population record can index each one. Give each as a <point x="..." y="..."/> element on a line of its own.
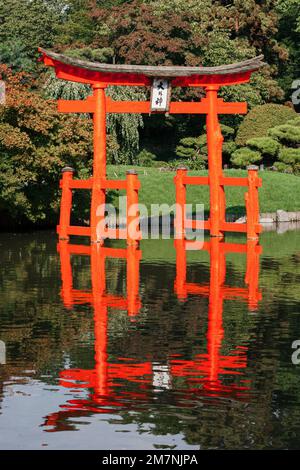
<point x="99" y="76"/>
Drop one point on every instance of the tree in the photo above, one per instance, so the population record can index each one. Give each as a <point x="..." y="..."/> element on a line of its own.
<point x="289" y="35"/>
<point x="288" y="136"/>
<point x="280" y="148"/>
<point x="194" y="150"/>
<point x="244" y="156"/>
<point x="76" y="27"/>
<point x="196" y="33"/>
<point x="141" y="36"/>
<point x="24" y="26"/>
<point x="288" y="160"/>
<point x="122" y="128"/>
<point x="260" y="119"/>
<point x="266" y="145"/>
<point x="35" y="144"/>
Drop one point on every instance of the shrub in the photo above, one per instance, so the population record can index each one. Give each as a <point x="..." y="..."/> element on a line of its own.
<point x="195" y="148"/>
<point x="260" y="119"/>
<point x="35" y="144"/>
<point x="265" y="145"/>
<point x="197" y="163"/>
<point x="245" y="156"/>
<point x="228" y="148"/>
<point x="190" y="163"/>
<point x="289" y="160"/>
<point x="289" y="155"/>
<point x="283" y="167"/>
<point x="294" y="122"/>
<point x="286" y="134"/>
<point x="161" y="164"/>
<point x="227" y="131"/>
<point x="146" y="158"/>
<point x="190" y="147"/>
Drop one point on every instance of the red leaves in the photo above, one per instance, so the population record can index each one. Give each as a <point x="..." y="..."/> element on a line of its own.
<point x="141" y="36"/>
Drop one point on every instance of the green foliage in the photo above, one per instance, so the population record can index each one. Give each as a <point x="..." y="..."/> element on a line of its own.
<point x="55" y="89"/>
<point x="260" y="119"/>
<point x="25" y="25"/>
<point x="227" y="132"/>
<point x="194" y="150"/>
<point x="198" y="163"/>
<point x="228" y="148"/>
<point x="122" y="128"/>
<point x="289" y="160"/>
<point x="76" y="25"/>
<point x="265" y="145"/>
<point x="103" y="54"/>
<point x="294" y="122"/>
<point x="146" y="158"/>
<point x="290" y="9"/>
<point x="125" y="127"/>
<point x="190" y="147"/>
<point x="289" y="155"/>
<point x="245" y="156"/>
<point x="282" y="143"/>
<point x="289" y="137"/>
<point x="286" y="134"/>
<point x="283" y="167"/>
<point x="289" y="34"/>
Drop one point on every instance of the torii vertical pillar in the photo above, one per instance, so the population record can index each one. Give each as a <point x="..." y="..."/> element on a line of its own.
<point x="214" y="149"/>
<point x="99" y="162"/>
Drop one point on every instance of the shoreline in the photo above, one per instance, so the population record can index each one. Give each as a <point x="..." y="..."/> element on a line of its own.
<point x="280" y="221"/>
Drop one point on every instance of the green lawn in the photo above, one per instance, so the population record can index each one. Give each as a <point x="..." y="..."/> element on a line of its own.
<point x="279" y="190"/>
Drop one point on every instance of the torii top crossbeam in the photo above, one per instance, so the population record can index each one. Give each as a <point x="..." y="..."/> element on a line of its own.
<point x="82" y="71"/>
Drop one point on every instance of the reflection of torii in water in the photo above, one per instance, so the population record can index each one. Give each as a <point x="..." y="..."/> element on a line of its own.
<point x="213" y="365"/>
<point x="103" y="379"/>
<point x="98" y="276"/>
<point x="205" y="369"/>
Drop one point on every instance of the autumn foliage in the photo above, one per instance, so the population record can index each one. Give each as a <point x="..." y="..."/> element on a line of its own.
<point x="35" y="144"/>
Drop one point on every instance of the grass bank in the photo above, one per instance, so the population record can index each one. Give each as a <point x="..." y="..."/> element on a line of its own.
<point x="279" y="190"/>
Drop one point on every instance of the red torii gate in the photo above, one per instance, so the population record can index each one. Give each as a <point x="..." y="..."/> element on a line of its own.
<point x="99" y="76"/>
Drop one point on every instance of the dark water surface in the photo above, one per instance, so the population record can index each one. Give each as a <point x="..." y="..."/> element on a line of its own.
<point x="117" y="349"/>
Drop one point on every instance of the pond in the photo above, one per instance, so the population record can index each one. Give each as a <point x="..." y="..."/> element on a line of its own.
<point x="153" y="348"/>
